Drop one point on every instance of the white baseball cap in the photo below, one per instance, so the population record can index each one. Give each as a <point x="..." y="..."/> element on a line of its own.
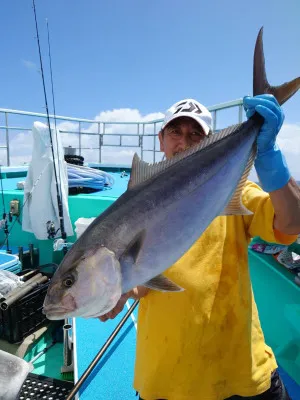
<point x="192" y="109"/>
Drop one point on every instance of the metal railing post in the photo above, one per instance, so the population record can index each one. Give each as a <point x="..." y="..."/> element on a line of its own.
<point x="141" y="142"/>
<point x="100" y="142"/>
<point x="7" y="141"/>
<point x="214" y="120"/>
<point x="240" y="113"/>
<point x="103" y="134"/>
<point x="154" y="142"/>
<point x="79" y="137"/>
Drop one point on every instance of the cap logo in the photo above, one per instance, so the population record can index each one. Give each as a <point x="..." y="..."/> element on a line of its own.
<point x="188" y="107"/>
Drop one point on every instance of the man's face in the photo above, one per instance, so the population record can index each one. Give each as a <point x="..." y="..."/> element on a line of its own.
<point x="179" y="135"/>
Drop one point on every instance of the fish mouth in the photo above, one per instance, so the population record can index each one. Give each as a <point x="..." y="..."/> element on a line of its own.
<point x="64" y="308"/>
<point x="54" y="313"/>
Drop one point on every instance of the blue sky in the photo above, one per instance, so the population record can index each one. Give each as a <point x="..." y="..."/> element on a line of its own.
<point x="145" y="55"/>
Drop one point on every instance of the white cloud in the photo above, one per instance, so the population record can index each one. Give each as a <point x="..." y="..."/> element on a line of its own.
<point x="29" y="64"/>
<point x="112" y="127"/>
<point x="21" y="148"/>
<point x="289" y="139"/>
<point x="21" y="143"/>
<point x="289" y="142"/>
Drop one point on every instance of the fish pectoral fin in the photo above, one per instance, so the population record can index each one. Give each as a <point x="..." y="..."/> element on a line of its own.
<point x="163" y="284"/>
<point x="134" y="248"/>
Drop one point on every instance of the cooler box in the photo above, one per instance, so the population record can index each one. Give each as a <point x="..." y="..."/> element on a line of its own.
<point x="81" y="224"/>
<point x="10" y="262"/>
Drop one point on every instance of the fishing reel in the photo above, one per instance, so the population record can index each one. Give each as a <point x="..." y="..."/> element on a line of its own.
<point x="51" y="230"/>
<point x="123" y="174"/>
<point x="60" y="244"/>
<point x="3" y="222"/>
<point x="4" y="225"/>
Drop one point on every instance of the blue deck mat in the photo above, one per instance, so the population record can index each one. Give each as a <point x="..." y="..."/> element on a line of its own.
<point x="11" y="183"/>
<point x="113" y="377"/>
<point x="118" y="188"/>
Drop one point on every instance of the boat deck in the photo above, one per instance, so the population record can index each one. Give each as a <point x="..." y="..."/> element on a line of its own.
<point x="113" y="377"/>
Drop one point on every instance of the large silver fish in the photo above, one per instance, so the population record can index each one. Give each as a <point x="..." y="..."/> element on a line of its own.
<point x="166" y="208"/>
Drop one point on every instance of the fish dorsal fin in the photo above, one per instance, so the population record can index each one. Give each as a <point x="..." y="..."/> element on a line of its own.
<point x="141" y="171"/>
<point x="235" y="206"/>
<point x="163" y="284"/>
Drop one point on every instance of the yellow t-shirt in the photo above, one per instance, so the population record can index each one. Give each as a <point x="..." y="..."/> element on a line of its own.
<point x="206" y="343"/>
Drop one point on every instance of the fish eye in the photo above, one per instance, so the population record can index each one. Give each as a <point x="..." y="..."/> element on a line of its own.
<point x="68" y="282"/>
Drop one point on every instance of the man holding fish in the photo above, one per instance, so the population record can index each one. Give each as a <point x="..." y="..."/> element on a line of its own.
<point x="207" y="341"/>
<point x="191" y="218"/>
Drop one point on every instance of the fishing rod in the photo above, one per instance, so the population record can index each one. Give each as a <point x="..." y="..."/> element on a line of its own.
<point x="53" y="99"/>
<point x="5" y="224"/>
<point x="101" y="352"/>
<point x="88" y="371"/>
<point x="50" y="225"/>
<point x="51" y="228"/>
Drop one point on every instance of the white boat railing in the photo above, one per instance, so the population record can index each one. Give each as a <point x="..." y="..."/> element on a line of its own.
<point x="124" y="133"/>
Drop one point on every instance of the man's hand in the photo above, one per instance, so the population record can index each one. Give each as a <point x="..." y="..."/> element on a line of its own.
<point x="116" y="310"/>
<point x="270" y="163"/>
<point x="267" y="106"/>
<point x="271" y="167"/>
<point x="136" y="293"/>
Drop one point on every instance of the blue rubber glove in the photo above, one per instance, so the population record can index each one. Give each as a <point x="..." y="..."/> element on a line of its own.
<point x="270" y="163"/>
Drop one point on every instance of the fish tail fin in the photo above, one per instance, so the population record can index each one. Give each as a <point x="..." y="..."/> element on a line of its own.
<point x="260" y="81"/>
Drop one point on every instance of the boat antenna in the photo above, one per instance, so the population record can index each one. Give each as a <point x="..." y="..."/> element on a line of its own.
<point x="52" y="232"/>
